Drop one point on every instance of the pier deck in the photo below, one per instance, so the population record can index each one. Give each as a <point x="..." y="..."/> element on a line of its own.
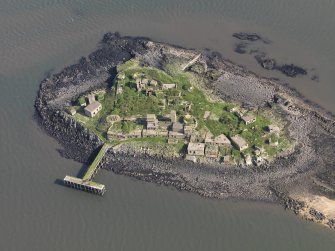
<point x="86" y="184"/>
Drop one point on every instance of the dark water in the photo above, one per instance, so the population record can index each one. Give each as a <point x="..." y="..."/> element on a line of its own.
<point x="38" y="37"/>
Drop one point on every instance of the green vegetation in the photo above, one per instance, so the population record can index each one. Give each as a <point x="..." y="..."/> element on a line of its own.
<point x="81" y="118"/>
<point x="126" y="126"/>
<point x="132" y="103"/>
<point x="139" y="91"/>
<point x="93" y="166"/>
<point x="100" y="97"/>
<point x="236" y="155"/>
<point x="92" y="183"/>
<point x="81" y="101"/>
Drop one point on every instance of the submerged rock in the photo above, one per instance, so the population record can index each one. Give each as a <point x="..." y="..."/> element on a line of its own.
<point x="266" y="63"/>
<point x="292" y="70"/>
<point x="241" y="48"/>
<point x="269" y="64"/>
<point x="289" y="70"/>
<point x="247" y="36"/>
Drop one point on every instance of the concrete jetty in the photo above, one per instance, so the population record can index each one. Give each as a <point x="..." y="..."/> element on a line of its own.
<point x="86" y="184"/>
<point x="94" y="167"/>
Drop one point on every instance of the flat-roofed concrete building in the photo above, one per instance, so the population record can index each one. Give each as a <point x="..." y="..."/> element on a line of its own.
<point x="149" y="133"/>
<point x="112" y="134"/>
<point x="162" y="133"/>
<point x="196" y="149"/>
<point x="239" y="142"/>
<point x="248" y="119"/>
<point x="211" y="151"/>
<point x="178" y="127"/>
<point x="137" y="133"/>
<point x="152" y="122"/>
<point x="92" y="109"/>
<point x="176" y="135"/>
<point x="222" y="140"/>
<point x="164" y="124"/>
<point x="194" y="138"/>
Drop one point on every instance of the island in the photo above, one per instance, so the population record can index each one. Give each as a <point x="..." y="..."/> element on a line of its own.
<point x="193" y="120"/>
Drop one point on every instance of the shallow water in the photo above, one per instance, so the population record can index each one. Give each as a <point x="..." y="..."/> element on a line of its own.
<point x="39" y="37"/>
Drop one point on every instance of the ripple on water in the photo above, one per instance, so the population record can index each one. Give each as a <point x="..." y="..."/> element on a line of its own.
<point x="38" y="35"/>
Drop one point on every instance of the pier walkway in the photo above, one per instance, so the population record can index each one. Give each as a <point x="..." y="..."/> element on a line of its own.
<point x="94" y="167"/>
<point x="86" y="184"/>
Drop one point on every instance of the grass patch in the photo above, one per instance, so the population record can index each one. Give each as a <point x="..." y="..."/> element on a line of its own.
<point x="81" y="118"/>
<point x="96" y="161"/>
<point x="187" y="98"/>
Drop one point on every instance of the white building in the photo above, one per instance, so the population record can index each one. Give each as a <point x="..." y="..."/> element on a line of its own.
<point x="196" y="149"/>
<point x="92" y="109"/>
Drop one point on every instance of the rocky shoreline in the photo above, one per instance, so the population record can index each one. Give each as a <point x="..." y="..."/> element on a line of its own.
<point x="309" y="125"/>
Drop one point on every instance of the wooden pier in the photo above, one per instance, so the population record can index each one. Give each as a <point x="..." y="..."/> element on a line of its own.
<point x="86" y="184"/>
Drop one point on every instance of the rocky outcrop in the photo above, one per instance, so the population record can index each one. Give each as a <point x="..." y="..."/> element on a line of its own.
<point x="290" y="70"/>
<point x="247" y="36"/>
<point x="307" y="212"/>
